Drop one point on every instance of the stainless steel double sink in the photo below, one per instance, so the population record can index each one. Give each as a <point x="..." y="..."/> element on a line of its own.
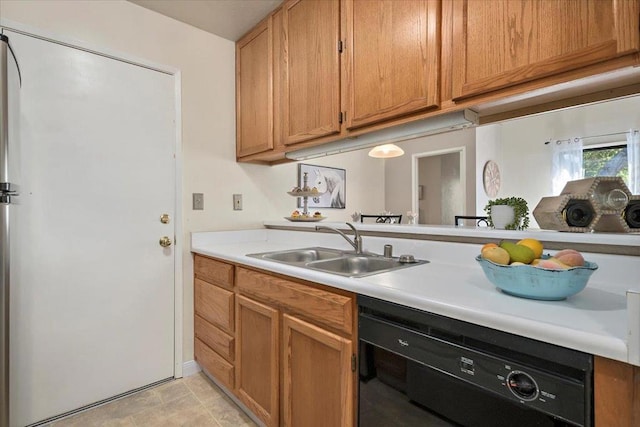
<point x="335" y="261"/>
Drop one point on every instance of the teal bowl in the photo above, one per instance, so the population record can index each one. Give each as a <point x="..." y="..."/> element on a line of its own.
<point x="526" y="281"/>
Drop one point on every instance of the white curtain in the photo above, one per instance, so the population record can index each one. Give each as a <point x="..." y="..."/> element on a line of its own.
<point x="633" y="157"/>
<point x="566" y="164"/>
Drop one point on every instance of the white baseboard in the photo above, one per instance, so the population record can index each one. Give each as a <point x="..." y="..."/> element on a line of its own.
<point x="190" y="367"/>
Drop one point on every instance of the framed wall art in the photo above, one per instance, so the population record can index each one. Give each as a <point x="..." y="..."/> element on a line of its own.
<point x="330" y="182"/>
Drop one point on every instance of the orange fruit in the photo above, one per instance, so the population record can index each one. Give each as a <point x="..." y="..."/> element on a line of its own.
<point x="534" y="245"/>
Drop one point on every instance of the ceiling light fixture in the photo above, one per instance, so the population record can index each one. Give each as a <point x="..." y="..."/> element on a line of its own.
<point x="386" y="151"/>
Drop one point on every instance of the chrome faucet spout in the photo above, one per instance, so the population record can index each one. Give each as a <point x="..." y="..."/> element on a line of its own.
<point x="357" y="238"/>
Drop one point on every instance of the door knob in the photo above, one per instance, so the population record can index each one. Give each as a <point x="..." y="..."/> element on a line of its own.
<point x="165" y="219"/>
<point x="165" y="241"/>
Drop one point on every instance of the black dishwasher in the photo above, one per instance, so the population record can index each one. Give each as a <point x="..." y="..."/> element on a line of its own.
<point x="421" y="369"/>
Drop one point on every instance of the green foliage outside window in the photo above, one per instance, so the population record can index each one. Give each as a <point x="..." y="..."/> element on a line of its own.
<point x="606" y="161"/>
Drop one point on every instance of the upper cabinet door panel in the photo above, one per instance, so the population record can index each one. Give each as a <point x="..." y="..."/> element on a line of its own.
<point x="501" y="43"/>
<point x="312" y="63"/>
<point x="392" y="58"/>
<point x="254" y="102"/>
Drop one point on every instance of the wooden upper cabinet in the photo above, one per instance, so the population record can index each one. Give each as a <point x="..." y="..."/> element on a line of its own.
<point x="254" y="91"/>
<point x="392" y="58"/>
<point x="501" y="43"/>
<point x="278" y="71"/>
<point x="311" y="104"/>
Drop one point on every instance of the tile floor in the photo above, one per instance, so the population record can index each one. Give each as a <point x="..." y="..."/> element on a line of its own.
<point x="190" y="402"/>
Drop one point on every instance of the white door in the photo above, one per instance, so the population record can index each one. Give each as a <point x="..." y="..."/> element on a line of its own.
<point x="441" y="186"/>
<point x="92" y="298"/>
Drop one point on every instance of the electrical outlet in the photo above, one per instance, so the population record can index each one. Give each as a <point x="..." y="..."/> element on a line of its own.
<point x="198" y="201"/>
<point x="237" y="202"/>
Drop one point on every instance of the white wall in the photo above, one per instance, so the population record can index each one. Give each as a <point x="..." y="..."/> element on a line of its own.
<point x="398" y="179"/>
<point x="525" y="161"/>
<point x="207" y="64"/>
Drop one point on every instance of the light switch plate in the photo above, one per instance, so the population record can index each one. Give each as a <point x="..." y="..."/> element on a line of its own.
<point x="237" y="202"/>
<point x="198" y="201"/>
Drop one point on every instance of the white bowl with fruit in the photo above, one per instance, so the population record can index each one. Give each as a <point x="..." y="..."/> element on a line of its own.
<point x="520" y="269"/>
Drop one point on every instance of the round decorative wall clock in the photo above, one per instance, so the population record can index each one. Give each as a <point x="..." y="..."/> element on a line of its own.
<point x="491" y="178"/>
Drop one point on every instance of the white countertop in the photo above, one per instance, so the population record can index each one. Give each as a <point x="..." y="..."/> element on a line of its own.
<point x="596" y="321"/>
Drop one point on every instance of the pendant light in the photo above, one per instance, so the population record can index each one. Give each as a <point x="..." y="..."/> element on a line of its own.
<point x="386" y="151"/>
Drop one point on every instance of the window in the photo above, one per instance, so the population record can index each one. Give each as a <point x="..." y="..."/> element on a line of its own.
<point x="608" y="160"/>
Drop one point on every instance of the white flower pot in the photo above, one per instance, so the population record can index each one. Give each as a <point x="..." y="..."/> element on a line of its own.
<point x="502" y="215"/>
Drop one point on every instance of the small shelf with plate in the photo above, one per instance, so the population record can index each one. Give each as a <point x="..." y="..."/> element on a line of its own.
<point x="305" y="192"/>
<point x="302" y="218"/>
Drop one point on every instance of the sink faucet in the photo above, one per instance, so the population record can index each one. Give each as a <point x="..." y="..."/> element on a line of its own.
<point x="357" y="239"/>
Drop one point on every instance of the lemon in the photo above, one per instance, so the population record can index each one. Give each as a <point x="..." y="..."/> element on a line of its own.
<point x="534" y="245"/>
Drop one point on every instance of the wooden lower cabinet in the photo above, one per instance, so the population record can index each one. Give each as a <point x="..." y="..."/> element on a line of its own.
<point x="257" y="374"/>
<point x="214" y="364"/>
<point x="286" y="349"/>
<point x="214" y="304"/>
<point x="616" y="393"/>
<point x="294" y="351"/>
<point x="317" y="376"/>
<point x="214" y="319"/>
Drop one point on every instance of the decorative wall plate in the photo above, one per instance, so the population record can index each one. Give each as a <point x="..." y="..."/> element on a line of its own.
<point x="491" y="178"/>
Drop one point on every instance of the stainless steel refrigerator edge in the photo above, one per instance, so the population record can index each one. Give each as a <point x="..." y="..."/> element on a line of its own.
<point x="7" y="193"/>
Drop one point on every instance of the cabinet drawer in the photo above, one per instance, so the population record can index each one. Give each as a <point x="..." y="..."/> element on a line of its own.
<point x="215" y="338"/>
<point x="214" y="304"/>
<point x="317" y="305"/>
<point x="213" y="271"/>
<point x="214" y="364"/>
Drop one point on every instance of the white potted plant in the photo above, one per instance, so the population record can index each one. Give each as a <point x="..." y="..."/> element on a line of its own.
<point x="510" y="213"/>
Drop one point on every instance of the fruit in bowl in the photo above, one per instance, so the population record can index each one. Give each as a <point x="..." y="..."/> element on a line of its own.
<point x="496" y="254"/>
<point x="545" y="277"/>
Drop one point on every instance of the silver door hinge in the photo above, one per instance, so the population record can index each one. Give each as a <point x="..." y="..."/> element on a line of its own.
<point x="353" y="363"/>
<point x="340" y="46"/>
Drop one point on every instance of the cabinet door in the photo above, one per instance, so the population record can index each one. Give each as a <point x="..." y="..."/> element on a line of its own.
<point x="254" y="91"/>
<point x="278" y="77"/>
<point x="257" y="368"/>
<point x="616" y="393"/>
<point x="501" y="43"/>
<point x="392" y="59"/>
<point x="318" y="379"/>
<point x="312" y="90"/>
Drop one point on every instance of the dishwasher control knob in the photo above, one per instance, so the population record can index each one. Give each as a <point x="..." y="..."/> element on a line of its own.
<point x="522" y="385"/>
